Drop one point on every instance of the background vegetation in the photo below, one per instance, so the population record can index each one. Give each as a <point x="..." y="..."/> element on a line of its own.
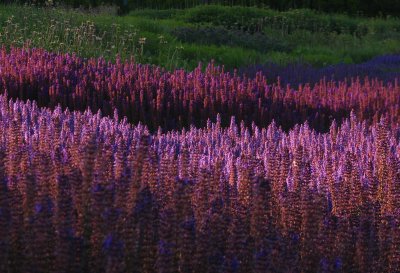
<point x="367" y="7"/>
<point x="233" y="36"/>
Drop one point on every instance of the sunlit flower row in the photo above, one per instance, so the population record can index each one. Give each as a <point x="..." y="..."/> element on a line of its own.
<point x="178" y="99"/>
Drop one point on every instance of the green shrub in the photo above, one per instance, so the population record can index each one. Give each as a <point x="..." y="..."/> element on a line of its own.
<point x="235" y="38"/>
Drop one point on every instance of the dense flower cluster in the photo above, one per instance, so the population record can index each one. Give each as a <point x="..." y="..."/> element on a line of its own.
<point x="82" y="193"/>
<point x="179" y="99"/>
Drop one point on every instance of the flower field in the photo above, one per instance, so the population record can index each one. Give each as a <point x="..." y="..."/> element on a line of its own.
<point x="112" y="165"/>
<point x="92" y="194"/>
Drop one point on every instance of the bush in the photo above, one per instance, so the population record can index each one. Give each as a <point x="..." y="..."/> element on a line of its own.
<point x="233" y="18"/>
<point x="223" y="36"/>
<point x="256" y="20"/>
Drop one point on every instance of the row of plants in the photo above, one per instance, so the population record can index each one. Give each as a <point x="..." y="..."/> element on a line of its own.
<point x="257" y="20"/>
<point x="385" y="68"/>
<point x="178" y="99"/>
<point x="82" y="193"/>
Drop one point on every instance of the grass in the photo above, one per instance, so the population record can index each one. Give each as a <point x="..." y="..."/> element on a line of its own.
<point x="293" y="36"/>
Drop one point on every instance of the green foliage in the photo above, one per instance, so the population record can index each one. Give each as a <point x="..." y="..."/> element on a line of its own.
<point x="233" y="36"/>
<point x="353" y="7"/>
<point x="256" y="19"/>
<point x="237" y="17"/>
<point x="157" y="14"/>
<point x="61" y="31"/>
<point x="230" y="57"/>
<point x="366" y="7"/>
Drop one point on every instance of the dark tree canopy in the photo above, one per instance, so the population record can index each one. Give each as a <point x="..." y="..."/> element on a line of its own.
<point x="364" y="7"/>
